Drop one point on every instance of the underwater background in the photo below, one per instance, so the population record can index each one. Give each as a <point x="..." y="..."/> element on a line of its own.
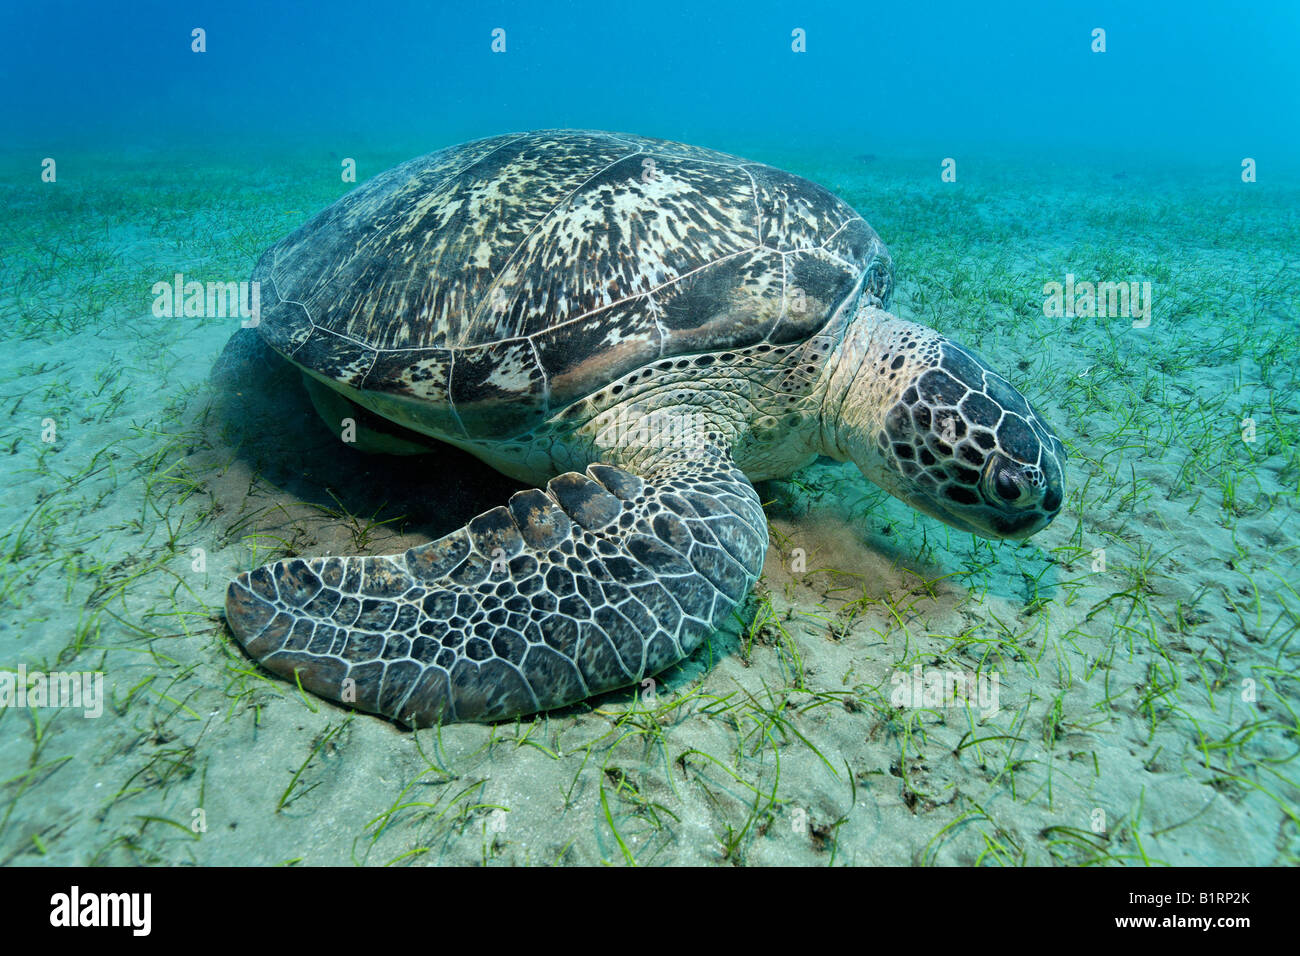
<point x="1135" y="663"/>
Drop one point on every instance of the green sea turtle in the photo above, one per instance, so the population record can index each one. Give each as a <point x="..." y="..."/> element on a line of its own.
<point x="644" y="327"/>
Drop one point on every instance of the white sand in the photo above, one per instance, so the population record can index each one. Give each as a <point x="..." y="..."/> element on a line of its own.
<point x="1145" y="713"/>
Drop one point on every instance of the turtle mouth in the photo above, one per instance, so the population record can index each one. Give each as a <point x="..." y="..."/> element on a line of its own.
<point x="995" y="525"/>
<point x="1020" y="526"/>
<point x="940" y="511"/>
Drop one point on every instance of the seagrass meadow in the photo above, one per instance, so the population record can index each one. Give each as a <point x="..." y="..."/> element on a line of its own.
<point x="1100" y="200"/>
<point x="1135" y="662"/>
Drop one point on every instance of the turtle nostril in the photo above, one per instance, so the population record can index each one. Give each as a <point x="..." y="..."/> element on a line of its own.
<point x="1052" y="500"/>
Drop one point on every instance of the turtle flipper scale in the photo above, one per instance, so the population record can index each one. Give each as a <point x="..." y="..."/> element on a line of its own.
<point x="599" y="581"/>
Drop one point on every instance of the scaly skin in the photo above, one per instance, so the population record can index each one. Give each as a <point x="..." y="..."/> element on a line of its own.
<point x="926" y="420"/>
<point x="607" y="578"/>
<point x="672" y="321"/>
<point x="597" y="582"/>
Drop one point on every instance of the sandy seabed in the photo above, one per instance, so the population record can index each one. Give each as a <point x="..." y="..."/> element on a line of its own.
<point x="1132" y="669"/>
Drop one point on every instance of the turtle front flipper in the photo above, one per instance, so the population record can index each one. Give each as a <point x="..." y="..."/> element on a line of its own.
<point x="599" y="581"/>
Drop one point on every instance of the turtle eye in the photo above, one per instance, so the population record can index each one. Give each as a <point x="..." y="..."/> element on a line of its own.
<point x="1004" y="484"/>
<point x="1006" y="487"/>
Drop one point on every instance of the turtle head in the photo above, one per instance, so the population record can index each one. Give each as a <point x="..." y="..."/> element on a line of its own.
<point x="933" y="425"/>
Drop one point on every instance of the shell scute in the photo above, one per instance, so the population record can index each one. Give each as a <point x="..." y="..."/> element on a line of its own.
<point x="477" y="290"/>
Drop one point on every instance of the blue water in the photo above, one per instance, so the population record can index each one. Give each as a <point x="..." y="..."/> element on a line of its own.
<point x="1201" y="80"/>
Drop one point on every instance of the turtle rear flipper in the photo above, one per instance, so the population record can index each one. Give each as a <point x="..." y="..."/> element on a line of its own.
<point x="599" y="581"/>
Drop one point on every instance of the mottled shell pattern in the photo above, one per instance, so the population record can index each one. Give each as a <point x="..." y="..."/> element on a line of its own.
<point x="495" y="283"/>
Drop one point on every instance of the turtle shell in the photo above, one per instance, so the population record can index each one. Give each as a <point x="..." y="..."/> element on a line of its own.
<point x="477" y="290"/>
